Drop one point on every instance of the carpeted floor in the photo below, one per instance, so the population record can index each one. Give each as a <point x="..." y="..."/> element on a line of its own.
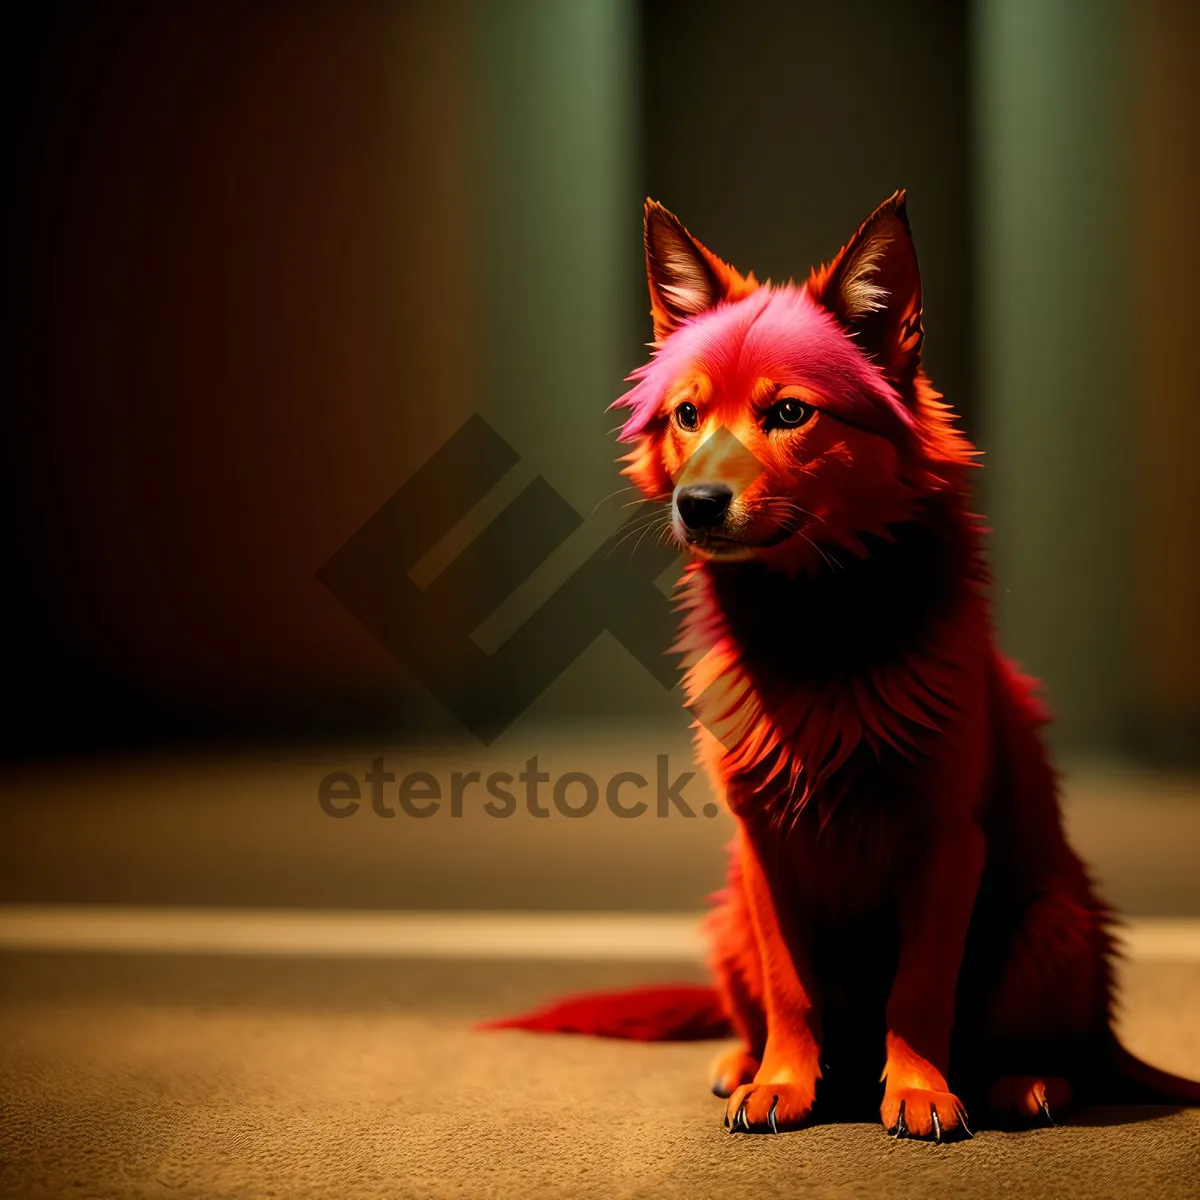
<point x="248" y="830"/>
<point x="226" y="1077"/>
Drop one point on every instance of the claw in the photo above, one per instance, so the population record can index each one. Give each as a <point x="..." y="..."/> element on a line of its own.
<point x="937" y="1123"/>
<point x="900" y="1126"/>
<point x="741" y="1121"/>
<point x="771" y="1115"/>
<point x="1044" y="1109"/>
<point x="725" y="1121"/>
<point x="962" y="1122"/>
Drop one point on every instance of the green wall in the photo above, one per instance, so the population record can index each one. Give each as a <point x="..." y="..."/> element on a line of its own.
<point x="1052" y="103"/>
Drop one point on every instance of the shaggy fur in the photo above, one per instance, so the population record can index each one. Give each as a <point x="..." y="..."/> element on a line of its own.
<point x="902" y="905"/>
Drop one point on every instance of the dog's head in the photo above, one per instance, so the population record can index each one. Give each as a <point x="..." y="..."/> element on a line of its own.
<point x="782" y="419"/>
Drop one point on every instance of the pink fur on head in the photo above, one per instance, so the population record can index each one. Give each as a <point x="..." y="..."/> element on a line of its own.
<point x="776" y="333"/>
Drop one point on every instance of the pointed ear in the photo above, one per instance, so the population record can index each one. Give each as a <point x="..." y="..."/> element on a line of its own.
<point x="873" y="287"/>
<point x="683" y="275"/>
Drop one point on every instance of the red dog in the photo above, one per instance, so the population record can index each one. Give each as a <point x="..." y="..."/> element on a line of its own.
<point x="901" y="896"/>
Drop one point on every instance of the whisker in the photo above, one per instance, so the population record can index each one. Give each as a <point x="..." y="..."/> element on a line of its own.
<point x="629" y="487"/>
<point x="638" y="524"/>
<point x="635" y="525"/>
<point x="667" y="534"/>
<point x="832" y="566"/>
<point x="788" y="505"/>
<point x="787" y="502"/>
<point x="641" y="539"/>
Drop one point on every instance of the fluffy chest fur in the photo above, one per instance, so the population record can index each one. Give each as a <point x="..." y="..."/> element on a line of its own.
<point x="899" y="880"/>
<point x="806" y="688"/>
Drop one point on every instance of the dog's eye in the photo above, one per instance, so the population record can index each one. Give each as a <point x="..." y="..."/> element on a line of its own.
<point x="687" y="417"/>
<point x="789" y="414"/>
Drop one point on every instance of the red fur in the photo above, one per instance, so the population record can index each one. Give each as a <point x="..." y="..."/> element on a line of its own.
<point x="902" y="902"/>
<point x="673" y="1013"/>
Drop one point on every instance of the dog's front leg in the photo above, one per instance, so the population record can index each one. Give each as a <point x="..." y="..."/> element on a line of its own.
<point x="781" y="1095"/>
<point x="937" y="879"/>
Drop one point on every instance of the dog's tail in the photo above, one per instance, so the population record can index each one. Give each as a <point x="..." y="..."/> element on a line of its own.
<point x="1128" y="1080"/>
<point x="665" y="1013"/>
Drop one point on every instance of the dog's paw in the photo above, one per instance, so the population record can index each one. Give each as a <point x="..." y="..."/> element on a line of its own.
<point x="730" y="1070"/>
<point x="768" y="1107"/>
<point x="918" y="1113"/>
<point x="1033" y="1099"/>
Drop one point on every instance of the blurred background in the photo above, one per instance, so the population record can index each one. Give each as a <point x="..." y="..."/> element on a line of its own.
<point x="263" y="260"/>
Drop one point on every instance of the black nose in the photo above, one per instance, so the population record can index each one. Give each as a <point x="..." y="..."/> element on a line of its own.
<point x="703" y="505"/>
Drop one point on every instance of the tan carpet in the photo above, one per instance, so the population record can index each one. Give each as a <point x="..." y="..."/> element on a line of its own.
<point x="248" y="831"/>
<point x="161" y="1077"/>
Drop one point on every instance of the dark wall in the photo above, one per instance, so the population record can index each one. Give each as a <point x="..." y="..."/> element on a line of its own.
<point x="773" y="127"/>
<point x="248" y="298"/>
<point x="234" y="257"/>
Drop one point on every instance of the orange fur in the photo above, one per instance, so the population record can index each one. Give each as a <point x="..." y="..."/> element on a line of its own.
<point x="902" y="905"/>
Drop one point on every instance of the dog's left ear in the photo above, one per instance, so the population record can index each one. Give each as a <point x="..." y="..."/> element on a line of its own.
<point x="873" y="287"/>
<point x="682" y="281"/>
<point x="686" y="278"/>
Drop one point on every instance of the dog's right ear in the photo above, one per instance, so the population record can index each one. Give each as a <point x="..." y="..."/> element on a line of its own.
<point x="685" y="278"/>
